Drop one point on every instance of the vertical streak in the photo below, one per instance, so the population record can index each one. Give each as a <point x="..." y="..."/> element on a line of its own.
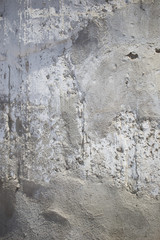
<point x="9" y="115"/>
<point x="9" y="89"/>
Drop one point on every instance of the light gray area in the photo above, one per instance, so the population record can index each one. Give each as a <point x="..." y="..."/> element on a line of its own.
<point x="79" y="119"/>
<point x="70" y="208"/>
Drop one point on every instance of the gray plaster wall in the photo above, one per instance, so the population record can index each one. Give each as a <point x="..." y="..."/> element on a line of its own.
<point x="80" y="119"/>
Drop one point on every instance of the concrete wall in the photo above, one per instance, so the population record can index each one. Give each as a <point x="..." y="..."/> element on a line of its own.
<point x="79" y="119"/>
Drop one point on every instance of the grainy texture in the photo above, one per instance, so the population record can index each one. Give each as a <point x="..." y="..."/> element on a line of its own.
<point x="79" y="119"/>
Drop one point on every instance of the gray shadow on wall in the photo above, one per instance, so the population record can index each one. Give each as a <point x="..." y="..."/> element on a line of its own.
<point x="7" y="209"/>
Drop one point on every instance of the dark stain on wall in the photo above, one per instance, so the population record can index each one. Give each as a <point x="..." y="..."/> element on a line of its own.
<point x="19" y="127"/>
<point x="85" y="43"/>
<point x="7" y="209"/>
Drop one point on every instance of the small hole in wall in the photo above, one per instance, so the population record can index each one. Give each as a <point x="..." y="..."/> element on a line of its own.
<point x="48" y="76"/>
<point x="120" y="149"/>
<point x="132" y="55"/>
<point x="126" y="81"/>
<point x="157" y="50"/>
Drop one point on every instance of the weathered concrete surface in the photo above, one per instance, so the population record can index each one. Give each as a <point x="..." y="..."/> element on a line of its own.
<point x="79" y="119"/>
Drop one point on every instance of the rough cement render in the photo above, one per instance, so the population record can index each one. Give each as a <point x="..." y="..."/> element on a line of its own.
<point x="80" y="119"/>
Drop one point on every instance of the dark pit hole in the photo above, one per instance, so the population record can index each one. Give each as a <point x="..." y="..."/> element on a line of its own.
<point x="132" y="55"/>
<point x="48" y="76"/>
<point x="120" y="149"/>
<point x="126" y="81"/>
<point x="157" y="50"/>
